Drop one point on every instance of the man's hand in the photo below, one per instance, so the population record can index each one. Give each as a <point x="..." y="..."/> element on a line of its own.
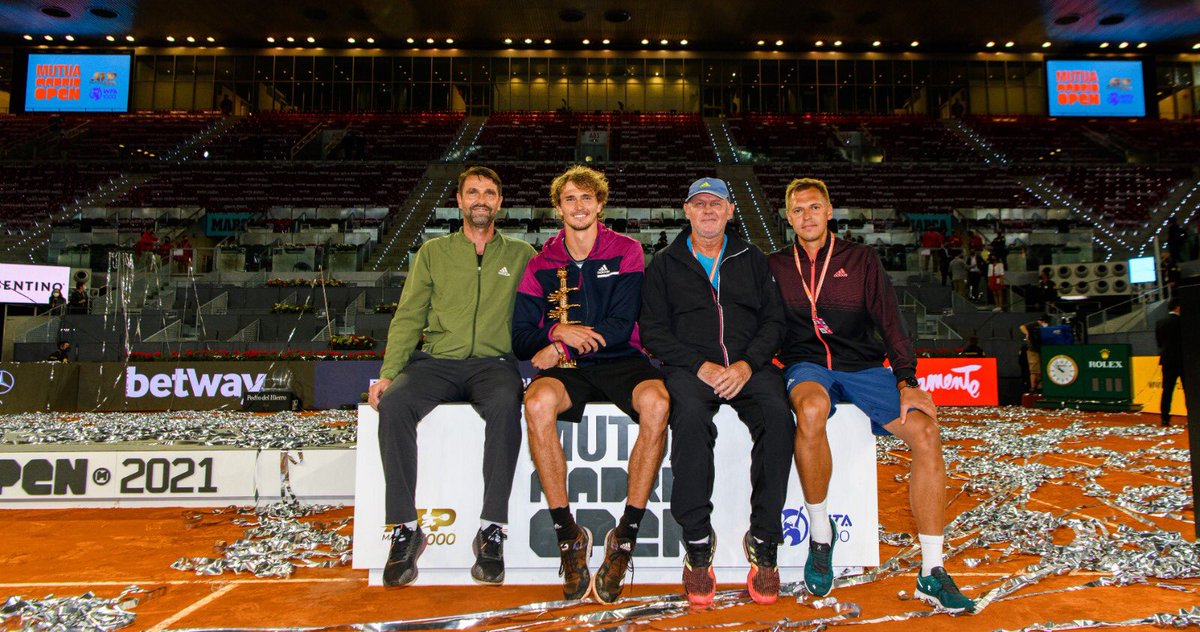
<point x="912" y="397"/>
<point x="580" y="337"/>
<point x="732" y="379"/>
<point x="376" y="391"/>
<point x="546" y="358"/>
<point x="709" y="373"/>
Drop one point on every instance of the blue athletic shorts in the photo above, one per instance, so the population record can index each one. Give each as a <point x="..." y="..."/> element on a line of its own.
<point x="872" y="390"/>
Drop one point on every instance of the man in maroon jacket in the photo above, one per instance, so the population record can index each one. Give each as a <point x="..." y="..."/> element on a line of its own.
<point x="843" y="320"/>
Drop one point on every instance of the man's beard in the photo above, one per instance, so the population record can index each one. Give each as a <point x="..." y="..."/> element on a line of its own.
<point x="479" y="220"/>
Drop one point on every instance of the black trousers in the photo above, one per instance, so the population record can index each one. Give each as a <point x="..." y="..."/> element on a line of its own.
<point x="763" y="407"/>
<point x="493" y="388"/>
<point x="1170" y="375"/>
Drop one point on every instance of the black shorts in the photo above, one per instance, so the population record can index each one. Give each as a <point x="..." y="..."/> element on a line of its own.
<point x="611" y="381"/>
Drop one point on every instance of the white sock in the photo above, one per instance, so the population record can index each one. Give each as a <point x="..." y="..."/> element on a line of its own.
<point x="931" y="552"/>
<point x="484" y="524"/>
<point x="703" y="540"/>
<point x="819" y="530"/>
<point x="411" y="525"/>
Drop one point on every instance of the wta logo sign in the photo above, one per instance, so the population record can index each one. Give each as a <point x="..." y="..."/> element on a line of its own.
<point x="959" y="381"/>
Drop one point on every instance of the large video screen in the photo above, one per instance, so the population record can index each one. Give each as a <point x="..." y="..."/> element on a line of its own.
<point x="77" y="83"/>
<point x="32" y="284"/>
<point x="1095" y="88"/>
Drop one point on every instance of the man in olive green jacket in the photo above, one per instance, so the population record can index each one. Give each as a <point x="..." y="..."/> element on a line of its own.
<point x="459" y="294"/>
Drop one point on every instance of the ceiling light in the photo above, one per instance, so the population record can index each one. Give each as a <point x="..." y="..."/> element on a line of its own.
<point x="370" y="40"/>
<point x="528" y="40"/>
<point x="191" y="40"/>
<point x="70" y="38"/>
<point x="663" y="42"/>
<point x="991" y="44"/>
<point x="546" y="41"/>
<point x="683" y="42"/>
<point x="107" y="37"/>
<point x="1123" y="45"/>
<point x="170" y="38"/>
<point x="915" y="43"/>
<point x="645" y="41"/>
<point x="820" y="43"/>
<point x="350" y="40"/>
<point x="28" y="37"/>
<point x="449" y="40"/>
<point x="410" y="40"/>
<point x="311" y="39"/>
<point x="290" y="39"/>
<point x="761" y="42"/>
<point x="508" y="40"/>
<point x="128" y="38"/>
<point x="1141" y="45"/>
<point x="1103" y="44"/>
<point x="210" y="39"/>
<point x="837" y="42"/>
<point x="1009" y="44"/>
<point x="428" y="40"/>
<point x="1194" y="46"/>
<point x="586" y="42"/>
<point x="876" y="43"/>
<point x="270" y="40"/>
<point x="1045" y="44"/>
<point x="605" y="41"/>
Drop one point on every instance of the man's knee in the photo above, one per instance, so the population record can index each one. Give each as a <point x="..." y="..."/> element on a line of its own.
<point x="812" y="412"/>
<point x="541" y="406"/>
<point x="653" y="405"/>
<point x="926" y="436"/>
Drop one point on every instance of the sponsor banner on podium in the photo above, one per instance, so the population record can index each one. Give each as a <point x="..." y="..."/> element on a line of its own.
<point x="171" y="477"/>
<point x="450" y="490"/>
<point x="960" y="381"/>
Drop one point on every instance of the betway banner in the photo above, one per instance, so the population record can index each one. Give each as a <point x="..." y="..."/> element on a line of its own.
<point x="960" y="381"/>
<point x="188" y="385"/>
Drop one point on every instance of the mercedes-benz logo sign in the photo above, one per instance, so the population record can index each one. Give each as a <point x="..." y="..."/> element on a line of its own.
<point x="7" y="381"/>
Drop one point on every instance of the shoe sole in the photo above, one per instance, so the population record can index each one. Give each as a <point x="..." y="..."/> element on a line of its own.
<point x="405" y="582"/>
<point x="590" y="588"/>
<point x="592" y="592"/>
<point x="933" y="601"/>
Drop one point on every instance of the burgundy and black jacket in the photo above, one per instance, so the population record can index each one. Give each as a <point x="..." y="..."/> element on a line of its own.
<point x="863" y="325"/>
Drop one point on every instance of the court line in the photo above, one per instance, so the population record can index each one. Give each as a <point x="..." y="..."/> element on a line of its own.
<point x="204" y="601"/>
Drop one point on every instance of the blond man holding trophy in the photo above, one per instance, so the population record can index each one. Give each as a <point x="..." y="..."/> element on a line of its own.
<point x="576" y="319"/>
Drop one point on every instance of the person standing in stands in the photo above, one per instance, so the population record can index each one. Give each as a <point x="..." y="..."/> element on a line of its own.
<point x="459" y="298"/>
<point x="995" y="281"/>
<point x="596" y="356"/>
<point x="1168" y="333"/>
<point x="843" y="321"/>
<point x="711" y="312"/>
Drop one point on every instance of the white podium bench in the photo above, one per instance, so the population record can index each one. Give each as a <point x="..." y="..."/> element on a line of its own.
<point x="450" y="497"/>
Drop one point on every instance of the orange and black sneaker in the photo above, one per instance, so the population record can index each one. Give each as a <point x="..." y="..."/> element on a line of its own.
<point x="763" y="580"/>
<point x="577" y="580"/>
<point x="609" y="579"/>
<point x="699" y="580"/>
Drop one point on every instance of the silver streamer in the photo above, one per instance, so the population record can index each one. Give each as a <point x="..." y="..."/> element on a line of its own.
<point x="283" y="430"/>
<point x="62" y="614"/>
<point x="275" y="541"/>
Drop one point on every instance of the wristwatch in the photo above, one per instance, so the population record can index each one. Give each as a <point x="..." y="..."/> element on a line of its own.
<point x="908" y="382"/>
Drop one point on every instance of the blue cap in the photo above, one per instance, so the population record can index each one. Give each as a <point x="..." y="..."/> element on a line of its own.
<point x="714" y="186"/>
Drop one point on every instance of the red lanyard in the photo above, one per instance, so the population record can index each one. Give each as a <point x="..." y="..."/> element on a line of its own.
<point x="812" y="296"/>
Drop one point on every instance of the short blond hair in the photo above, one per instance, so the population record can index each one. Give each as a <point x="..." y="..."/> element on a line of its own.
<point x="802" y="184"/>
<point x="582" y="177"/>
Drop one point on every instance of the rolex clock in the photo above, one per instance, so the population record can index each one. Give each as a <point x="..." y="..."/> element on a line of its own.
<point x="1062" y="370"/>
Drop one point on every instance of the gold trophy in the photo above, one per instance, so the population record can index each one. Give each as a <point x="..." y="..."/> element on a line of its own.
<point x="562" y="306"/>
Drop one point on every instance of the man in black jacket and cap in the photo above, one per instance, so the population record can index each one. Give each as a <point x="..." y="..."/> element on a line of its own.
<point x="712" y="314"/>
<point x="1168" y="333"/>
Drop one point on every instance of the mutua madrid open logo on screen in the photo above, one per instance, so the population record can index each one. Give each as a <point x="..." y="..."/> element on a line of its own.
<point x="77" y="83"/>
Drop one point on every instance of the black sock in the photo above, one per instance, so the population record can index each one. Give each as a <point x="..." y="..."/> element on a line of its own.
<point x="627" y="528"/>
<point x="564" y="523"/>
